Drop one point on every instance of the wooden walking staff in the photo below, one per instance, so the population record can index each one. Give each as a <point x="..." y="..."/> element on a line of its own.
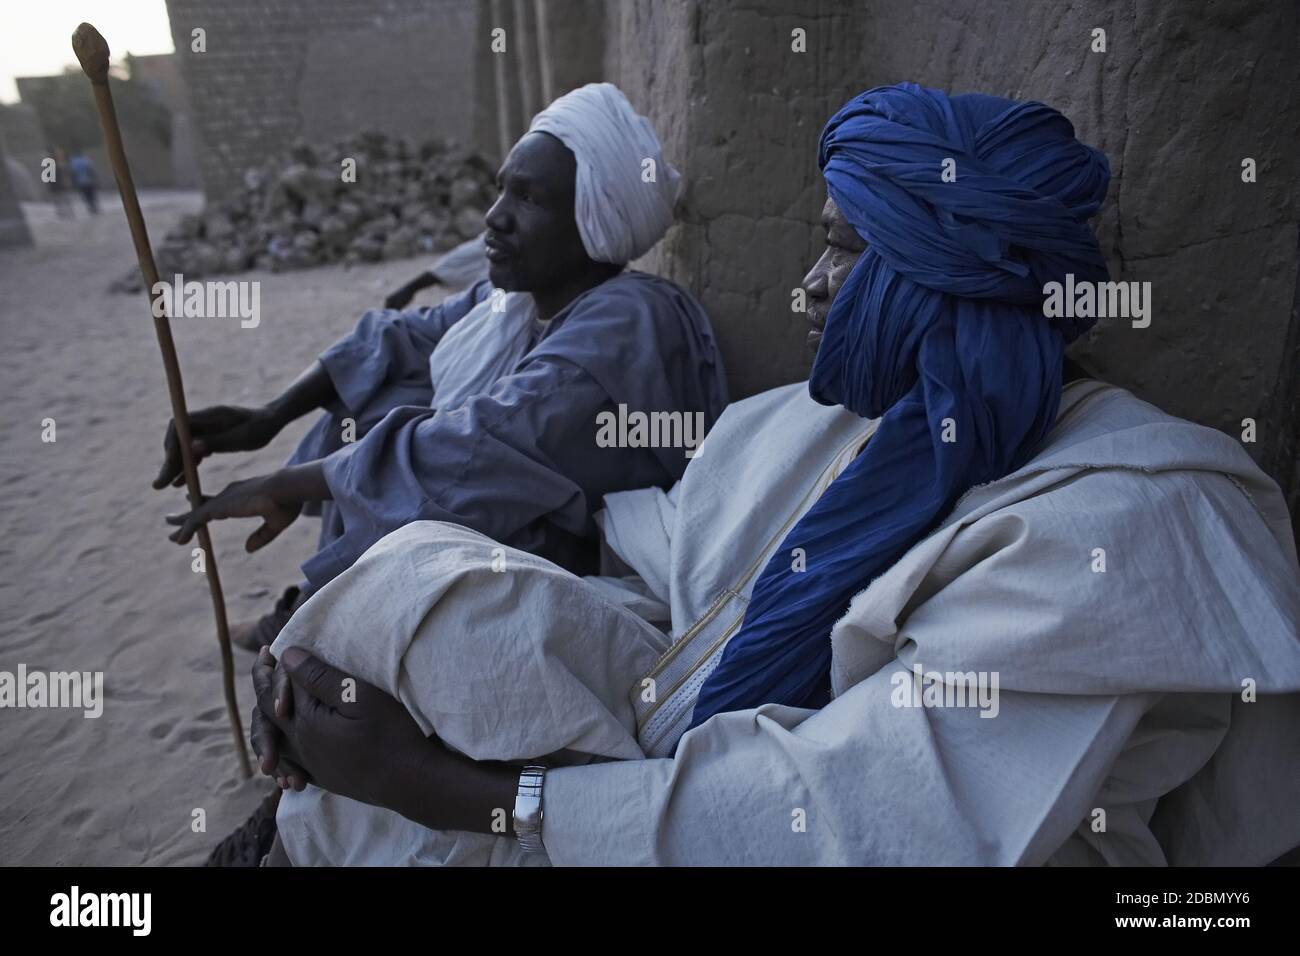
<point x="92" y="51"/>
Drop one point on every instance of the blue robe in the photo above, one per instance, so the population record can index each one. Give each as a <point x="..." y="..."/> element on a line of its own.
<point x="518" y="462"/>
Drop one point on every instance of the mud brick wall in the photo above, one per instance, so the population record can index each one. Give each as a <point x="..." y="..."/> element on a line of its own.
<point x="275" y="70"/>
<point x="13" y="227"/>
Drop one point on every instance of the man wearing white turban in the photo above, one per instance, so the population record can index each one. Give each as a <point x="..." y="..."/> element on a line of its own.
<point x="618" y="156"/>
<point x="484" y="410"/>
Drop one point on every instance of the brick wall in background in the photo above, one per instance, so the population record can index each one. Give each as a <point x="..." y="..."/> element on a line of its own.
<point x="275" y="70"/>
<point x="23" y="138"/>
<point x="13" y="227"/>
<point x="22" y="147"/>
<point x="148" y="151"/>
<point x="162" y="72"/>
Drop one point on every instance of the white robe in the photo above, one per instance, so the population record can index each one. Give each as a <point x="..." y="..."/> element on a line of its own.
<point x="1121" y="734"/>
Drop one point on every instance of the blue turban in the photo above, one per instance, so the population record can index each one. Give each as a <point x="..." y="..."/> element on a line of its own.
<point x="939" y="327"/>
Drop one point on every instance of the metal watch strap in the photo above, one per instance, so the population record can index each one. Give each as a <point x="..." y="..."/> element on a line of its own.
<point x="528" y="809"/>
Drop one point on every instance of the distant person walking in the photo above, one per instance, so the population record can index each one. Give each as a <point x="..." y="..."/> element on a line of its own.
<point x="83" y="177"/>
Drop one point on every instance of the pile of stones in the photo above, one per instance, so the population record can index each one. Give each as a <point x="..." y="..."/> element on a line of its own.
<point x="309" y="209"/>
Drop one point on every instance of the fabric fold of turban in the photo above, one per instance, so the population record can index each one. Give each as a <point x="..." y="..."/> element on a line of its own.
<point x="969" y="205"/>
<point x="623" y="204"/>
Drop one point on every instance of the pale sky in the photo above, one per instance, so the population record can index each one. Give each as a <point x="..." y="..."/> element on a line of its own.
<point x="36" y="35"/>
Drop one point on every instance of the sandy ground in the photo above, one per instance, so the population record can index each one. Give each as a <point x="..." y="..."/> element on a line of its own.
<point x="88" y="579"/>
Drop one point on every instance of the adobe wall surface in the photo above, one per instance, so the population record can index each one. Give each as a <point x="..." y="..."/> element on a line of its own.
<point x="275" y="70"/>
<point x="1183" y="93"/>
<point x="13" y="227"/>
<point x="739" y="112"/>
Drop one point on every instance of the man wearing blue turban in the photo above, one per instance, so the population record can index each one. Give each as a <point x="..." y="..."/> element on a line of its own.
<point x="938" y="332"/>
<point x="948" y="603"/>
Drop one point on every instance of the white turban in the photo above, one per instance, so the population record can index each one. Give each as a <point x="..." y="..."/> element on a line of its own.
<point x="620" y="214"/>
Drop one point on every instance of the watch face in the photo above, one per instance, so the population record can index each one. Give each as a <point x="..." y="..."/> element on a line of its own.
<point x="528" y="809"/>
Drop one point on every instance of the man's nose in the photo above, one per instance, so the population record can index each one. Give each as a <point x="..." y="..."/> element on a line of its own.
<point x="498" y="218"/>
<point x="817" y="282"/>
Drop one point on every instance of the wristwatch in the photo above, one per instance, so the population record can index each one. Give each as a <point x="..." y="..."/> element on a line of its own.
<point x="528" y="809"/>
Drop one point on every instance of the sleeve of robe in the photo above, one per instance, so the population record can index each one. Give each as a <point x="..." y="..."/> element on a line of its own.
<point x="859" y="782"/>
<point x="495" y="464"/>
<point x="392" y="347"/>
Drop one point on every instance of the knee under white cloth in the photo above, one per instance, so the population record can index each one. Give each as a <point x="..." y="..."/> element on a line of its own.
<point x="503" y="654"/>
